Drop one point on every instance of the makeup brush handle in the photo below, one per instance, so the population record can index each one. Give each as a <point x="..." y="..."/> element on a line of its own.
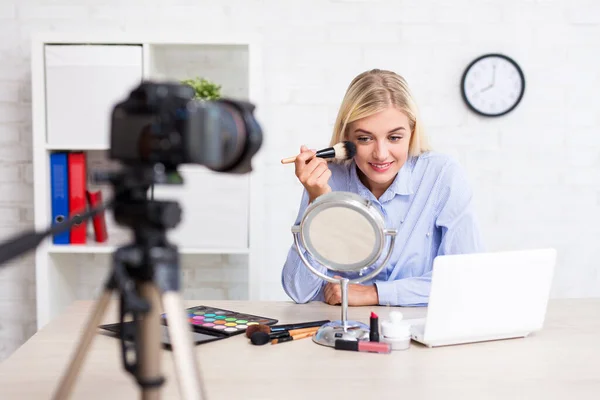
<point x="299" y="325"/>
<point x="293" y="337"/>
<point x="293" y="332"/>
<point x="288" y="160"/>
<point x="324" y="153"/>
<point x="305" y="335"/>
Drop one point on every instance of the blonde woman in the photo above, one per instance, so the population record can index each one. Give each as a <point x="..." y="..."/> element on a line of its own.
<point x="423" y="194"/>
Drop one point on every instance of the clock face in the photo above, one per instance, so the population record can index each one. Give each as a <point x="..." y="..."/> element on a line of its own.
<point x="493" y="85"/>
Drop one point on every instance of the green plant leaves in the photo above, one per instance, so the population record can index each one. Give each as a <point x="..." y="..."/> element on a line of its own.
<point x="204" y="89"/>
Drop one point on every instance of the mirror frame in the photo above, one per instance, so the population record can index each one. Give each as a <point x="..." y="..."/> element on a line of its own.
<point x="358" y="204"/>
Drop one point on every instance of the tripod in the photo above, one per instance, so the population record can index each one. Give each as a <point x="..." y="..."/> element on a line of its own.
<point x="146" y="275"/>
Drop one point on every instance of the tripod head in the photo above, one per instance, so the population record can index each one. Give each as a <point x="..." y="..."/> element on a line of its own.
<point x="149" y="219"/>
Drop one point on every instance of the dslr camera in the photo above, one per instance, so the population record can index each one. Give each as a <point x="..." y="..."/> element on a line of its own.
<point x="161" y="123"/>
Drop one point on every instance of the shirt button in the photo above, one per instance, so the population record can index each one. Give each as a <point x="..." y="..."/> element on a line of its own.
<point x="428" y="234"/>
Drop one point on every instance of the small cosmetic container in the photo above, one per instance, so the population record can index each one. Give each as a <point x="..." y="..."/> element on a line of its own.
<point x="396" y="332"/>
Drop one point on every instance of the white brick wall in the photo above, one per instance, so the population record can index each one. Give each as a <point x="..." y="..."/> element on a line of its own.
<point x="211" y="277"/>
<point x="535" y="172"/>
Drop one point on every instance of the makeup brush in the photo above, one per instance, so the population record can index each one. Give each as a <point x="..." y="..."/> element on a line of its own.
<point x="341" y="151"/>
<point x="260" y="337"/>
<point x="284" y="327"/>
<point x="278" y="334"/>
<point x="252" y="329"/>
<point x="293" y="337"/>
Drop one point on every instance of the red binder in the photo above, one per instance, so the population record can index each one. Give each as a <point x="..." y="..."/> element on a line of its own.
<point x="77" y="200"/>
<point x="99" y="221"/>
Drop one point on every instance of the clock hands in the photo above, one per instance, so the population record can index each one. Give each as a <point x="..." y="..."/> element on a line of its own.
<point x="491" y="85"/>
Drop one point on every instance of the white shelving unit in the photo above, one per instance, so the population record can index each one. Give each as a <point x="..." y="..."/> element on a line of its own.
<point x="76" y="80"/>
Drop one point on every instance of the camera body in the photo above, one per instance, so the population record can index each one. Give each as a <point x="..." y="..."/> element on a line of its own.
<point x="161" y="123"/>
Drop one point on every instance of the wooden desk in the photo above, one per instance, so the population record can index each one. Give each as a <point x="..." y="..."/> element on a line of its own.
<point x="560" y="362"/>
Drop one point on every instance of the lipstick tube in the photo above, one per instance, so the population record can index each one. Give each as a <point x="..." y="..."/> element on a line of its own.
<point x="374" y="328"/>
<point x="360" y="345"/>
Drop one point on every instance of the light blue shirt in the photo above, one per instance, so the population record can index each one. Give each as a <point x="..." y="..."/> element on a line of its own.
<point x="429" y="203"/>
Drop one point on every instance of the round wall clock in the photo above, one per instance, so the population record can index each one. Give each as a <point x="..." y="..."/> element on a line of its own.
<point x="492" y="85"/>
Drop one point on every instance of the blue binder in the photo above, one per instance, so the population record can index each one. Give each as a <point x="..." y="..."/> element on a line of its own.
<point x="59" y="184"/>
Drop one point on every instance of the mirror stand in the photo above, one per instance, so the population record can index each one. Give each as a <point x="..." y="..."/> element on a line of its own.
<point x="342" y="329"/>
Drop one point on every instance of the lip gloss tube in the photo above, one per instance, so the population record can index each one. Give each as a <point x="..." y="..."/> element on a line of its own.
<point x="359" y="345"/>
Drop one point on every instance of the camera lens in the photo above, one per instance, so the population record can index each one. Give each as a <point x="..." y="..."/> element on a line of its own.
<point x="224" y="135"/>
<point x="233" y="135"/>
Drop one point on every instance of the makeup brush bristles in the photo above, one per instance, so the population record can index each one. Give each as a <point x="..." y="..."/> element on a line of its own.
<point x="257" y="328"/>
<point x="344" y="150"/>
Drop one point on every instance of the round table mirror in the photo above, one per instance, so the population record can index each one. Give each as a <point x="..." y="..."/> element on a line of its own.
<point x="345" y="234"/>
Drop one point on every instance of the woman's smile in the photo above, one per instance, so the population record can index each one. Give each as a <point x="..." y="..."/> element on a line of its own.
<point x="381" y="167"/>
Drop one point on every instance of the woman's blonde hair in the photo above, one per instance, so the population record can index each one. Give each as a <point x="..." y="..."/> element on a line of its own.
<point x="373" y="91"/>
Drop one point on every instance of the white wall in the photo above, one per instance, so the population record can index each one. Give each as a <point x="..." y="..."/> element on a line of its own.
<point x="535" y="172"/>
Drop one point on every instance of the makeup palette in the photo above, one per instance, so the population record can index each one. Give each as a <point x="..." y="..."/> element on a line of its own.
<point x="207" y="323"/>
<point x="130" y="333"/>
<point x="222" y="322"/>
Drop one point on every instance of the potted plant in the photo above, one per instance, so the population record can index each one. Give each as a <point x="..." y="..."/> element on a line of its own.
<point x="205" y="89"/>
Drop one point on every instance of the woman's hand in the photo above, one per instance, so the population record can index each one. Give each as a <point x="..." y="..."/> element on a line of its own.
<point x="358" y="295"/>
<point x="313" y="173"/>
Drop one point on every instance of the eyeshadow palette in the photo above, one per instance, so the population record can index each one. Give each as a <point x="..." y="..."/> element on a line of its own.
<point x="129" y="332"/>
<point x="222" y="322"/>
<point x="207" y="323"/>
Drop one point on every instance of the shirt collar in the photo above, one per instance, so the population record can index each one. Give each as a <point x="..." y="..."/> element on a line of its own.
<point x="402" y="184"/>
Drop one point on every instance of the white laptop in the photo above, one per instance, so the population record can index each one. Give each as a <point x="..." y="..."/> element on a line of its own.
<point x="486" y="296"/>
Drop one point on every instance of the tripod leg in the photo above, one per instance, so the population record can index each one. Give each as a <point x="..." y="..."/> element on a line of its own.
<point x="183" y="351"/>
<point x="150" y="350"/>
<point x="68" y="380"/>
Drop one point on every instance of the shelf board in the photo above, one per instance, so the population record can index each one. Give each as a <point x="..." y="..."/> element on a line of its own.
<point x="77" y="148"/>
<point x="110" y="248"/>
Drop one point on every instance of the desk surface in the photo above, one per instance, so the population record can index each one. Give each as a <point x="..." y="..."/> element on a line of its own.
<point x="561" y="361"/>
